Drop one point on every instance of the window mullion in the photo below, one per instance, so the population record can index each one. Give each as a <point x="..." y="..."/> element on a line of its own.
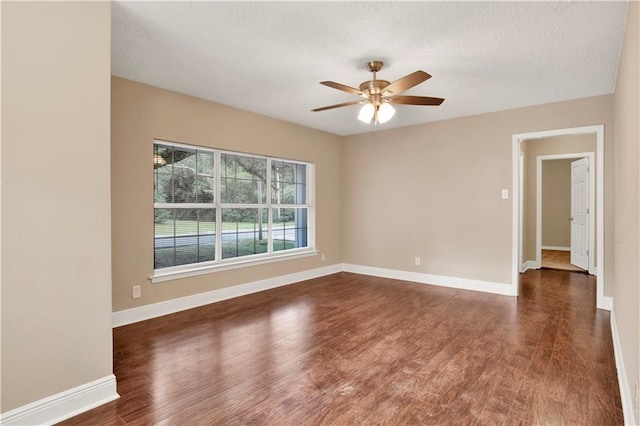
<point x="310" y="205"/>
<point x="292" y="206"/>
<point x="216" y="202"/>
<point x="243" y="206"/>
<point x="269" y="210"/>
<point x="173" y="199"/>
<point x="195" y="193"/>
<point x="183" y="205"/>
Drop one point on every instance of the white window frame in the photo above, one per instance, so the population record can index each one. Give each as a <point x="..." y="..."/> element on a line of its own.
<point x="219" y="264"/>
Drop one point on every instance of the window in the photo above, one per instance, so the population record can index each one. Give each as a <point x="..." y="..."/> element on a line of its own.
<point x="214" y="208"/>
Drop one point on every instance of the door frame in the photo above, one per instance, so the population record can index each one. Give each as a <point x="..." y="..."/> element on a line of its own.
<point x="592" y="208"/>
<point x="517" y="206"/>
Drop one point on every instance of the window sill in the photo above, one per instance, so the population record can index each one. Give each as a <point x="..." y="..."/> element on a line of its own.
<point x="160" y="276"/>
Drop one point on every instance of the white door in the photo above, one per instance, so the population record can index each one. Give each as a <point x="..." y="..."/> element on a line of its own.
<point x="580" y="213"/>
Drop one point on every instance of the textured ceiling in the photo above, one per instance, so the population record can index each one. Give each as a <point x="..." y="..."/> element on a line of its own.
<point x="268" y="57"/>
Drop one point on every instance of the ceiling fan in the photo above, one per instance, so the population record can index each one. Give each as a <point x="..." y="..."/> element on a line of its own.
<point x="380" y="94"/>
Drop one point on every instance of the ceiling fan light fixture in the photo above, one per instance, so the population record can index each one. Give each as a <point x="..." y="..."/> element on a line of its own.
<point x="378" y="114"/>
<point x="366" y="113"/>
<point x="380" y="94"/>
<point x="385" y="112"/>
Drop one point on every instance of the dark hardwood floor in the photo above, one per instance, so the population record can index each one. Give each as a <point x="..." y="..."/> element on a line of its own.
<point x="351" y="349"/>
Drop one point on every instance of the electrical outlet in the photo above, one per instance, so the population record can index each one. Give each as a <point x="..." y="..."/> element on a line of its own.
<point x="323" y="257"/>
<point x="505" y="194"/>
<point x="136" y="292"/>
<point x="417" y="260"/>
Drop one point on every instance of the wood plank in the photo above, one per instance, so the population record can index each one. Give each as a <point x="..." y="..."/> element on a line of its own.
<point x="352" y="349"/>
<point x="558" y="259"/>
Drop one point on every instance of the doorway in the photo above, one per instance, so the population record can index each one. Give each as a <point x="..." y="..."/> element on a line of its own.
<point x="565" y="233"/>
<point x="518" y="202"/>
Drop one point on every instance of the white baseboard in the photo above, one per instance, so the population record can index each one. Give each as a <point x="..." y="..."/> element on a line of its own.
<point x="439" y="280"/>
<point x="130" y="316"/>
<point x="529" y="264"/>
<point x="625" y="390"/>
<point x="556" y="248"/>
<point x="154" y="310"/>
<point x="63" y="405"/>
<point x="72" y="402"/>
<point x="607" y="303"/>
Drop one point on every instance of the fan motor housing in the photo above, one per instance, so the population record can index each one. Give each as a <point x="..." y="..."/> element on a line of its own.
<point x="374" y="86"/>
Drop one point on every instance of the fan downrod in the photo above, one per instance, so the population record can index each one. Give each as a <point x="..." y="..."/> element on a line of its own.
<point x="374" y="87"/>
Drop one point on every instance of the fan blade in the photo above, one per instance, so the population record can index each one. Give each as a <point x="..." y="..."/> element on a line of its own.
<point x="344" y="88"/>
<point x="415" y="100"/>
<point x="407" y="82"/>
<point x="337" y="106"/>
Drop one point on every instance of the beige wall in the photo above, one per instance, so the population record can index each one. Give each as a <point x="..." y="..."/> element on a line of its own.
<point x="556" y="203"/>
<point x="434" y="190"/>
<point x="549" y="146"/>
<point x="627" y="207"/>
<point x="431" y="190"/>
<point x="141" y="113"/>
<point x="56" y="275"/>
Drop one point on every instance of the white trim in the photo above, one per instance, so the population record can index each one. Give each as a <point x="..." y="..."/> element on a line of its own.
<point x="142" y="313"/>
<point x="625" y="390"/>
<point x="607" y="304"/>
<point x="557" y="248"/>
<point x="439" y="280"/>
<point x="199" y="269"/>
<point x="154" y="310"/>
<point x="600" y="216"/>
<point x="516" y="250"/>
<point x="592" y="202"/>
<point x="517" y="214"/>
<point x="64" y="405"/>
<point x="181" y="271"/>
<point x="529" y="264"/>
